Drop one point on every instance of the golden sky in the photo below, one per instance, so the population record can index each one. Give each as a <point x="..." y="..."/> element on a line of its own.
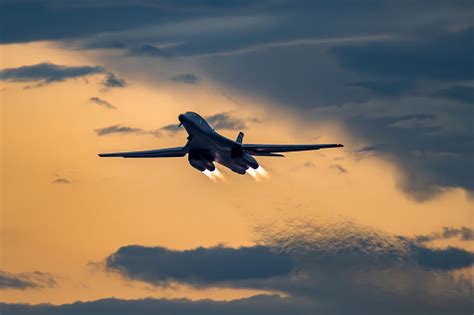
<point x="64" y="228"/>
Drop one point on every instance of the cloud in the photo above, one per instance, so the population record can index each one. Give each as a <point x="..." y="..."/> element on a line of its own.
<point x="442" y="259"/>
<point x="118" y="129"/>
<point x="52" y="20"/>
<point x="443" y="56"/>
<point x="226" y="121"/>
<point x="199" y="266"/>
<point x="220" y="121"/>
<point x="260" y="304"/>
<point x="150" y="51"/>
<point x="387" y="88"/>
<point x="459" y="93"/>
<point x="317" y="264"/>
<point x="101" y="102"/>
<point x="45" y="73"/>
<point x="112" y="81"/>
<point x="62" y="180"/>
<point x="463" y="233"/>
<point x="314" y="264"/>
<point x="339" y="168"/>
<point x="26" y="280"/>
<point x="188" y="78"/>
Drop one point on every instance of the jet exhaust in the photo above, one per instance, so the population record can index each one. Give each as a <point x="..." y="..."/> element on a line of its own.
<point x="214" y="175"/>
<point x="218" y="174"/>
<point x="209" y="175"/>
<point x="257" y="173"/>
<point x="252" y="173"/>
<point x="262" y="172"/>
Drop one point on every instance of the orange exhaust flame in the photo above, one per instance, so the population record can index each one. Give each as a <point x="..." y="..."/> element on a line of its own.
<point x="253" y="173"/>
<point x="209" y="174"/>
<point x="218" y="174"/>
<point x="262" y="172"/>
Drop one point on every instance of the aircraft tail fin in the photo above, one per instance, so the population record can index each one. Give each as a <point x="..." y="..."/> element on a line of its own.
<point x="240" y="137"/>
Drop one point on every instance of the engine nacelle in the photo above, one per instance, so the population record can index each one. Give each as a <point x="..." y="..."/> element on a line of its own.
<point x="246" y="160"/>
<point x="238" y="169"/>
<point x="202" y="165"/>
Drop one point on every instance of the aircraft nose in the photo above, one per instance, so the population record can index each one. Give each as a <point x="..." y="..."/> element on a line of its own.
<point x="181" y="117"/>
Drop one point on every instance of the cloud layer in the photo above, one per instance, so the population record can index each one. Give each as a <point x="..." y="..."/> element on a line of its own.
<point x="101" y="102"/>
<point x="26" y="280"/>
<point x="46" y="73"/>
<point x="118" y="129"/>
<point x="261" y="305"/>
<point x="198" y="266"/>
<point x="316" y="265"/>
<point x="320" y="263"/>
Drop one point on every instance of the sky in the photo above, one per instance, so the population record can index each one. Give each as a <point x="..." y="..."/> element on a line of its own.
<point x="383" y="225"/>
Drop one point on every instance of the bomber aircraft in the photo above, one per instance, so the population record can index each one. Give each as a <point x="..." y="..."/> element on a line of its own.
<point x="205" y="146"/>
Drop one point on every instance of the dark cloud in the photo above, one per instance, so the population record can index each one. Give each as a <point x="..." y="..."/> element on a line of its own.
<point x="443" y="259"/>
<point x="62" y="180"/>
<point x="101" y="102"/>
<point x="56" y="20"/>
<point x="26" y="280"/>
<point x="463" y="233"/>
<point x="112" y="81"/>
<point x="188" y="78"/>
<point x="222" y="121"/>
<point x="199" y="266"/>
<point x="170" y="129"/>
<point x="149" y="51"/>
<point x="45" y="73"/>
<point x="339" y="168"/>
<point x="260" y="304"/>
<point x="350" y="246"/>
<point x="317" y="264"/>
<point x="459" y="93"/>
<point x="386" y="88"/>
<point x="432" y="152"/>
<point x="118" y="129"/>
<point x="444" y="56"/>
<point x="226" y="121"/>
<point x="432" y="149"/>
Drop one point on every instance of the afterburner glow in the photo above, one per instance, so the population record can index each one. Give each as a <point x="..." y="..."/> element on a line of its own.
<point x="209" y="174"/>
<point x="261" y="171"/>
<point x="253" y="173"/>
<point x="214" y="175"/>
<point x="218" y="174"/>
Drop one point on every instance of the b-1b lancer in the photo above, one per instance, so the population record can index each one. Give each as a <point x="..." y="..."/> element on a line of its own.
<point x="205" y="146"/>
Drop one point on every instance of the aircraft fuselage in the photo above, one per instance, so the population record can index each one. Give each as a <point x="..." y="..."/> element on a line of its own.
<point x="206" y="146"/>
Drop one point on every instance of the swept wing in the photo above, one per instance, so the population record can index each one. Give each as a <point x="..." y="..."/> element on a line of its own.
<point x="168" y="152"/>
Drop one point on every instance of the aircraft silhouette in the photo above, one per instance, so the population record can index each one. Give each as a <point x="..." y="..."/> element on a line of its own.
<point x="205" y="146"/>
